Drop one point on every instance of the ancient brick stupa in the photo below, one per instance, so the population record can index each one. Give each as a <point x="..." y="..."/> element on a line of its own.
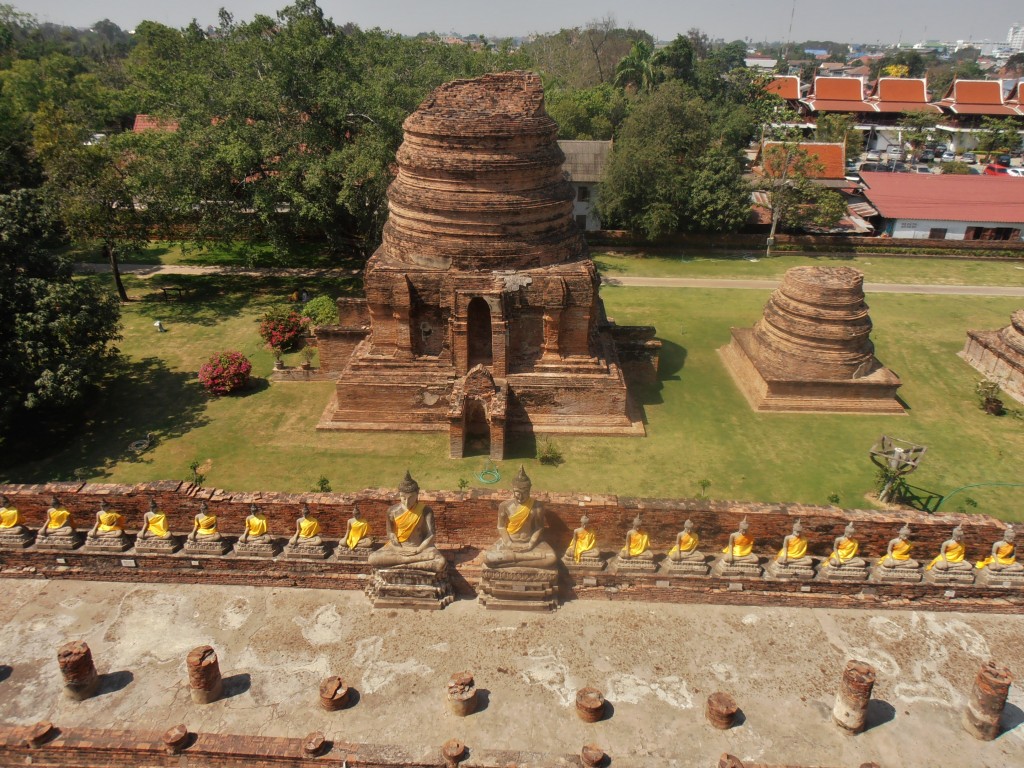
<point x="482" y="312"/>
<point x="999" y="355"/>
<point x="812" y="350"/>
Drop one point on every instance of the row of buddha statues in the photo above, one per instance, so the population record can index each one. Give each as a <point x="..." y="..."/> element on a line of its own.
<point x="409" y="543"/>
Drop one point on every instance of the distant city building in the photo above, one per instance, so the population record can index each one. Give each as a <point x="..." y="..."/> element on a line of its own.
<point x="1015" y="37"/>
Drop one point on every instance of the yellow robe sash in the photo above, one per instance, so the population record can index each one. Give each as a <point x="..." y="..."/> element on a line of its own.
<point x="407" y="522"/>
<point x="256" y="525"/>
<point x="638" y="543"/>
<point x="741" y="546"/>
<point x="111" y="521"/>
<point x="157" y="525"/>
<point x="9" y="517"/>
<point x="846" y="551"/>
<point x="796" y="549"/>
<point x="207" y="525"/>
<point x="584" y="542"/>
<point x="309" y="527"/>
<point x="518" y="518"/>
<point x="356" y="533"/>
<point x="58" y="518"/>
<point x="954" y="554"/>
<point x="901" y="550"/>
<point x="1004" y="556"/>
<point x="687" y="543"/>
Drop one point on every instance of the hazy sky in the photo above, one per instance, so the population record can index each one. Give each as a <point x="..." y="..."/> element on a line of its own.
<point x="857" y="21"/>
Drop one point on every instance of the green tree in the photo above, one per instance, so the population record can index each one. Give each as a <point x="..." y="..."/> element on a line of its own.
<point x="917" y="128"/>
<point x="676" y="59"/>
<point x="636" y="71"/>
<point x="998" y="134"/>
<point x="588" y="113"/>
<point x="55" y="332"/>
<point x="835" y="127"/>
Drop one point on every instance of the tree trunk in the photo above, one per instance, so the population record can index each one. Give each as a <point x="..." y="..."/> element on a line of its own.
<point x="111" y="255"/>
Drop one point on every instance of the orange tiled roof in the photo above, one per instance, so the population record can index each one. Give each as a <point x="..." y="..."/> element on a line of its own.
<point x="832" y="156"/>
<point x="152" y="123"/>
<point x="902" y="94"/>
<point x="838" y="94"/>
<point x="977" y="97"/>
<point x="786" y="86"/>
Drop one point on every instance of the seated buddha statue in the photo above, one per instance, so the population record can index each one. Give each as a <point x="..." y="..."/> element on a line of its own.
<point x="638" y="542"/>
<point x="897" y="554"/>
<point x="582" y="551"/>
<point x="155" y="534"/>
<point x="12" y="532"/>
<point x="844" y="551"/>
<point x="738" y="558"/>
<point x="357" y="534"/>
<point x="307" y="529"/>
<point x="520" y="531"/>
<point x="204" y="526"/>
<point x="59" y="524"/>
<point x="255" y="527"/>
<point x="792" y="559"/>
<point x="410" y="529"/>
<point x="1003" y="559"/>
<point x="951" y="557"/>
<point x="684" y="555"/>
<point x="107" y="530"/>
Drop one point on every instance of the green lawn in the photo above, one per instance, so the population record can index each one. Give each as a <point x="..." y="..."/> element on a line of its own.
<point x="215" y="255"/>
<point x="700" y="427"/>
<point x="876" y="269"/>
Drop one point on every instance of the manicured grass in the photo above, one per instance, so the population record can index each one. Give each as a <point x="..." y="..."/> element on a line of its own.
<point x="699" y="426"/>
<point x="306" y="255"/>
<point x="876" y="269"/>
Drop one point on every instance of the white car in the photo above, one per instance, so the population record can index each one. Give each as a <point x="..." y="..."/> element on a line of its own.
<point x="1015" y="172"/>
<point x="873" y="156"/>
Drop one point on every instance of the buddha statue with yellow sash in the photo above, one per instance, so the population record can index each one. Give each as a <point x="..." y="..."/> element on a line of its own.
<point x="582" y="551"/>
<point x="204" y="538"/>
<point x="59" y="524"/>
<point x="793" y="560"/>
<point x="107" y="531"/>
<point x="520" y="531"/>
<point x="256" y="539"/>
<point x="843" y="562"/>
<point x="306" y="541"/>
<point x="636" y="553"/>
<point x="357" y="534"/>
<point x="952" y="554"/>
<point x="13" y="535"/>
<point x="897" y="564"/>
<point x="738" y="558"/>
<point x="685" y="555"/>
<point x="1003" y="559"/>
<point x="410" y="529"/>
<point x="155" y="534"/>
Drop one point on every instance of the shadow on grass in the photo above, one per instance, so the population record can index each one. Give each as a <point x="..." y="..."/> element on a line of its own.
<point x="922" y="499"/>
<point x="140" y="397"/>
<point x="209" y="299"/>
<point x="671" y="361"/>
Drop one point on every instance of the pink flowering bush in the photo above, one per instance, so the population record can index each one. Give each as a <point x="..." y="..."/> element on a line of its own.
<point x="281" y="328"/>
<point x="225" y="373"/>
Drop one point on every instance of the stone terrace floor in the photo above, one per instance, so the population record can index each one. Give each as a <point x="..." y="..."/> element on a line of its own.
<point x="656" y="664"/>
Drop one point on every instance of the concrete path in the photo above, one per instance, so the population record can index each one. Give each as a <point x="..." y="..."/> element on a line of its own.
<point x="151" y="270"/>
<point x="767" y="285"/>
<point x="655" y="662"/>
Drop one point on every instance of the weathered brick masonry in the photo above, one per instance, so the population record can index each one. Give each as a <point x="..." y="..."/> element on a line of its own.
<point x="466" y="524"/>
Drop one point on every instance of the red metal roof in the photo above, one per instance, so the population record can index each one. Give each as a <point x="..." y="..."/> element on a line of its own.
<point x="977" y="97"/>
<point x="787" y="86"/>
<point x="902" y="94"/>
<point x="839" y="88"/>
<point x="938" y="197"/>
<point x="831" y="156"/>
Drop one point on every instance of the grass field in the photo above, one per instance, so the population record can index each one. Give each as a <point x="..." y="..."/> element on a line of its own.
<point x="699" y="426"/>
<point x="876" y="269"/>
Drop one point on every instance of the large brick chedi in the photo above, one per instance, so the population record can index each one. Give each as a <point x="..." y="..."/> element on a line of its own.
<point x="812" y="350"/>
<point x="999" y="355"/>
<point x="482" y="301"/>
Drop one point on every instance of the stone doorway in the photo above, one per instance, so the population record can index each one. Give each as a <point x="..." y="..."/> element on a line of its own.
<point x="478" y="329"/>
<point x="477" y="433"/>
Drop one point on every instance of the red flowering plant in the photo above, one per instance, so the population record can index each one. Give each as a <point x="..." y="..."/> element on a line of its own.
<point x="282" y="327"/>
<point x="225" y="372"/>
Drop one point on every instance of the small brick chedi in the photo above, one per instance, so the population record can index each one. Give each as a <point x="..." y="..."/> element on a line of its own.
<point x="482" y="312"/>
<point x="812" y="351"/>
<point x="999" y="355"/>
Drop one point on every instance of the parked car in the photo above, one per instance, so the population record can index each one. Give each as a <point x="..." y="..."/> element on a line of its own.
<point x="947" y="157"/>
<point x="996" y="170"/>
<point x="923" y="169"/>
<point x="927" y="156"/>
<point x="969" y="157"/>
<point x="1017" y="173"/>
<point x="939" y="149"/>
<point x="873" y="156"/>
<point x="1003" y="160"/>
<point x="894" y="152"/>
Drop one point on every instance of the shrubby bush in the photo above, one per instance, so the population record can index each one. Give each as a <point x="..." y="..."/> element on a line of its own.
<point x="282" y="327"/>
<point x="321" y="311"/>
<point x="225" y="373"/>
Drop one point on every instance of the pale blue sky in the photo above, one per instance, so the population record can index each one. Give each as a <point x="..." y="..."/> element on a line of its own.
<point x="859" y="20"/>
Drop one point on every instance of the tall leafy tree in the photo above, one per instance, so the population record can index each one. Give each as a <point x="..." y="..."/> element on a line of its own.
<point x="998" y="134"/>
<point x="55" y="332"/>
<point x="636" y="70"/>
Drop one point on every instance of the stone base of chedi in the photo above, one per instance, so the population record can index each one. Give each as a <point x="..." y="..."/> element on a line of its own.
<point x="482" y="315"/>
<point x="999" y="355"/>
<point x="519" y="589"/>
<point x="409" y="588"/>
<point x="812" y="349"/>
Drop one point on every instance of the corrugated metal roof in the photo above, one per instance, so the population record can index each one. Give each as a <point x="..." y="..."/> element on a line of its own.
<point x="585" y="160"/>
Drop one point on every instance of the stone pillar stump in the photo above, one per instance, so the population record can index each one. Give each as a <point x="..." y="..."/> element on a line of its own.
<point x="80" y="678"/>
<point x="988" y="697"/>
<point x="852" y="698"/>
<point x="721" y="710"/>
<point x="204" y="680"/>
<point x="589" y="704"/>
<point x="461" y="694"/>
<point x="452" y="751"/>
<point x="334" y="694"/>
